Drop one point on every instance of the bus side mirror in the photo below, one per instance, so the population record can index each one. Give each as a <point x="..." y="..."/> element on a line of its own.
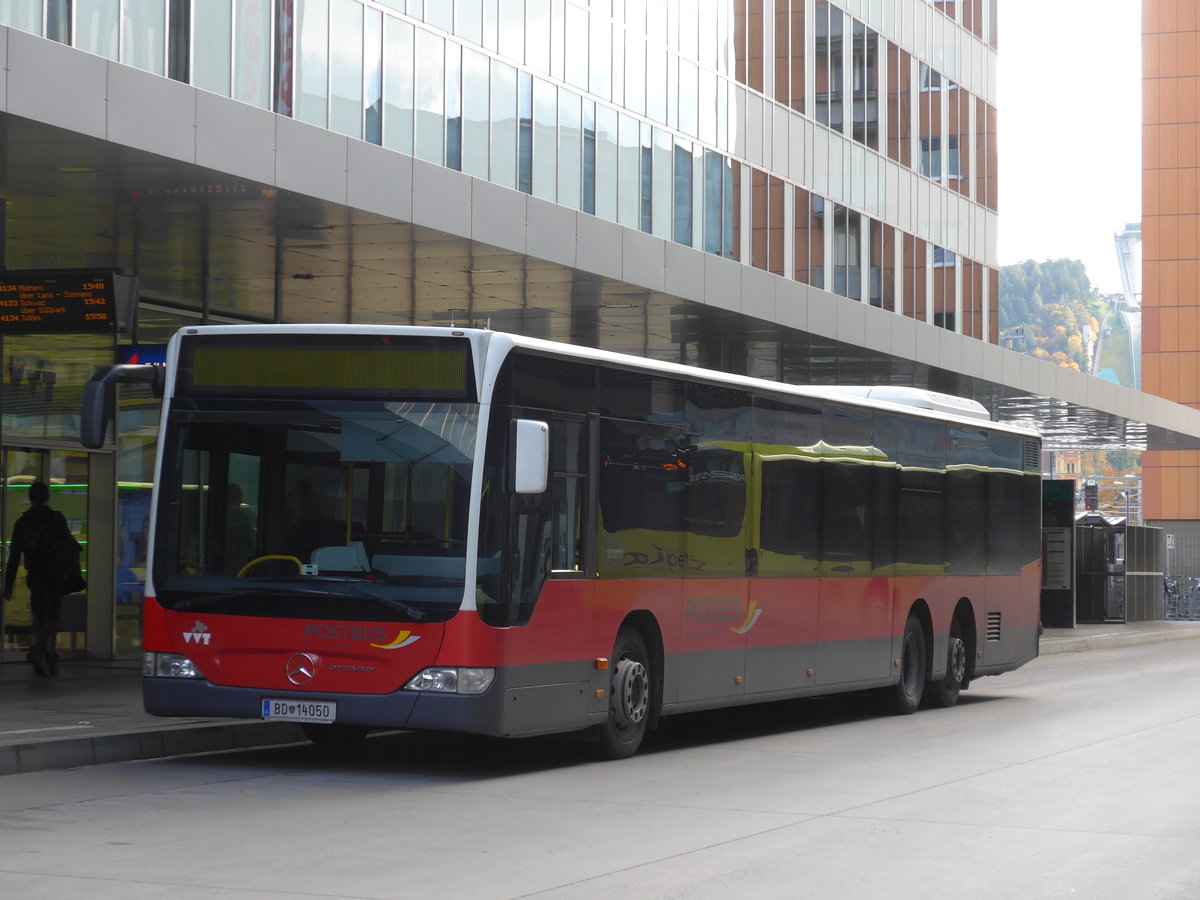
<point x="531" y="456"/>
<point x="100" y="391"/>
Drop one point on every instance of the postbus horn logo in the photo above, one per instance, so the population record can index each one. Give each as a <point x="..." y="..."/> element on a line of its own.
<point x="403" y="639"/>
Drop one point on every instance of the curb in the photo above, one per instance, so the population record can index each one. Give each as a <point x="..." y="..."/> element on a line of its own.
<point x="71" y="753"/>
<point x="1113" y="640"/>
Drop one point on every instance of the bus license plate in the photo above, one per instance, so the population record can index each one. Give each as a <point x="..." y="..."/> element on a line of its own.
<point x="324" y="711"/>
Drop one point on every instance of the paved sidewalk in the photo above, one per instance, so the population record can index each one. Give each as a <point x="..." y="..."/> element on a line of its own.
<point x="92" y="711"/>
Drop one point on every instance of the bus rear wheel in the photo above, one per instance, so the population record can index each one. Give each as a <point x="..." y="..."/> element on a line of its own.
<point x="630" y="691"/>
<point x="904" y="698"/>
<point x="946" y="691"/>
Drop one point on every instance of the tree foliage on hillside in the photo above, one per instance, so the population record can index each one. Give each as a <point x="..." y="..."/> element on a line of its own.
<point x="1052" y="302"/>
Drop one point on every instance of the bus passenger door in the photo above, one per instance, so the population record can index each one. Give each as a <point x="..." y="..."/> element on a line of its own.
<point x="856" y="603"/>
<point x="716" y="610"/>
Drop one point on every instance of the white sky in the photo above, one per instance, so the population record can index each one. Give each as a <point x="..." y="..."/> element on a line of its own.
<point x="1070" y="104"/>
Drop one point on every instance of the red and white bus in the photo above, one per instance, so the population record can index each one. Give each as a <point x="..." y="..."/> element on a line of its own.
<point x="360" y="527"/>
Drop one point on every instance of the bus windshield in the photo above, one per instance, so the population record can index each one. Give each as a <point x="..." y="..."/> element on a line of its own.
<point x="315" y="508"/>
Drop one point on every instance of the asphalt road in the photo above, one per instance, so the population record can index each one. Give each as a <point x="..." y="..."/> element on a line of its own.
<point x="1076" y="776"/>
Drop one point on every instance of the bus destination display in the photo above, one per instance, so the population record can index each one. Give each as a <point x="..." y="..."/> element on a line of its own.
<point x="44" y="301"/>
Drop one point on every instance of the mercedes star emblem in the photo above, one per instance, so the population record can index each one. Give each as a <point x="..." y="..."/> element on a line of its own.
<point x="301" y="668"/>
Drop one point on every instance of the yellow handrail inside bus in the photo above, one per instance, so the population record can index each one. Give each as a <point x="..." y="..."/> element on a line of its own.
<point x="254" y="562"/>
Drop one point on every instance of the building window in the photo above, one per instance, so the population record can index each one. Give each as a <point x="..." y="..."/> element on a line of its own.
<point x="931" y="157"/>
<point x="312" y="61"/>
<point x="683" y="193"/>
<point x="346" y="68"/>
<point x="398" y="85"/>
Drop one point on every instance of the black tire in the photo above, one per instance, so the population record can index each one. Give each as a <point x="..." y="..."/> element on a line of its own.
<point x="904" y="697"/>
<point x="630" y="693"/>
<point x="336" y="738"/>
<point x="945" y="693"/>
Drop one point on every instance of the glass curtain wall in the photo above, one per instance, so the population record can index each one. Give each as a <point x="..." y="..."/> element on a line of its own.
<point x="628" y="111"/>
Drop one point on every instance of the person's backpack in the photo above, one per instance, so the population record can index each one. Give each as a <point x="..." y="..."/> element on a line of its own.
<point x="53" y="552"/>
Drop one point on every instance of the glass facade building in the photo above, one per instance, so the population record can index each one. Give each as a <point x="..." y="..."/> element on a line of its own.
<point x="848" y="146"/>
<point x="728" y="183"/>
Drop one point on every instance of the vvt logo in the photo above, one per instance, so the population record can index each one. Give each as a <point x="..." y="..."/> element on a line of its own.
<point x="198" y="635"/>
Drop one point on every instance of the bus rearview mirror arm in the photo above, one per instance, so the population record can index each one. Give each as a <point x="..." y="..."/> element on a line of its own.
<point x="531" y="456"/>
<point x="98" y="396"/>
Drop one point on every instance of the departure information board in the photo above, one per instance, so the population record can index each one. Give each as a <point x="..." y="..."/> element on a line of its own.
<point x="56" y="301"/>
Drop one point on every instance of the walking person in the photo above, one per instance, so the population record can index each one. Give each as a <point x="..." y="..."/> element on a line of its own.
<point x="41" y="536"/>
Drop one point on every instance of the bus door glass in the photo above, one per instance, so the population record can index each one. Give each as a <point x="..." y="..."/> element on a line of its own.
<point x="855" y="606"/>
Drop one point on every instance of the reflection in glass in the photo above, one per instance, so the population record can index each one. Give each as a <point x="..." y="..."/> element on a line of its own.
<point x="589" y="157"/>
<point x="524" y="132"/>
<point x="865" y="72"/>
<point x="713" y="193"/>
<point x="512" y="29"/>
<point x="430" y="136"/>
<point x="930" y="122"/>
<point x="475" y="101"/>
<point x="600" y="54"/>
<point x="662" y="221"/>
<point x="212" y="46"/>
<point x="373" y="76"/>
<point x="682" y="205"/>
<point x="144" y="43"/>
<point x="689" y="98"/>
<point x="42" y="390"/>
<point x="635" y="73"/>
<point x="708" y="100"/>
<point x="453" y="105"/>
<point x="398" y="104"/>
<point x="97" y="24"/>
<point x="537" y="35"/>
<point x="369" y="495"/>
<point x="629" y="179"/>
<point x="252" y="63"/>
<point x="606" y="162"/>
<point x="346" y="68"/>
<point x="570" y="136"/>
<point x="647" y="180"/>
<point x="468" y="20"/>
<point x="312" y="61"/>
<point x="656" y="63"/>
<point x="545" y="140"/>
<point x="440" y="14"/>
<point x="576" y="62"/>
<point x="23" y="15"/>
<point x="504" y="125"/>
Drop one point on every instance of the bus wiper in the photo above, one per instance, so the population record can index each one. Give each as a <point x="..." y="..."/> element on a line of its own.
<point x="202" y="600"/>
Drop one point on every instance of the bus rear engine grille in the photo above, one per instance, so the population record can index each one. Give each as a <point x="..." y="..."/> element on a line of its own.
<point x="993" y="626"/>
<point x="1033" y="457"/>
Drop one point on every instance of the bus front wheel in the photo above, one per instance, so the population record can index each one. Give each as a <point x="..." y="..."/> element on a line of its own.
<point x="906" y="695"/>
<point x="630" y="690"/>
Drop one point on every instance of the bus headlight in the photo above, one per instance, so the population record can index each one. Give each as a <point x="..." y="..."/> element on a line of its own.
<point x="169" y="665"/>
<point x="452" y="680"/>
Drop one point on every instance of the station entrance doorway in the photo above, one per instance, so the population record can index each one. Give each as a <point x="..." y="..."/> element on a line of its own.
<point x="82" y="488"/>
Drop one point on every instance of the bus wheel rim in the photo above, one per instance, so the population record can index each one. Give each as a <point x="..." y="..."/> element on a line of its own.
<point x="631" y="693"/>
<point x="958" y="660"/>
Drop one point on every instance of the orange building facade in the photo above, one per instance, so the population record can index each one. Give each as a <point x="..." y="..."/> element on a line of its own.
<point x="1171" y="246"/>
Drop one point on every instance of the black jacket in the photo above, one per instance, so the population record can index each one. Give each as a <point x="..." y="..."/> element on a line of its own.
<point x="33" y="533"/>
